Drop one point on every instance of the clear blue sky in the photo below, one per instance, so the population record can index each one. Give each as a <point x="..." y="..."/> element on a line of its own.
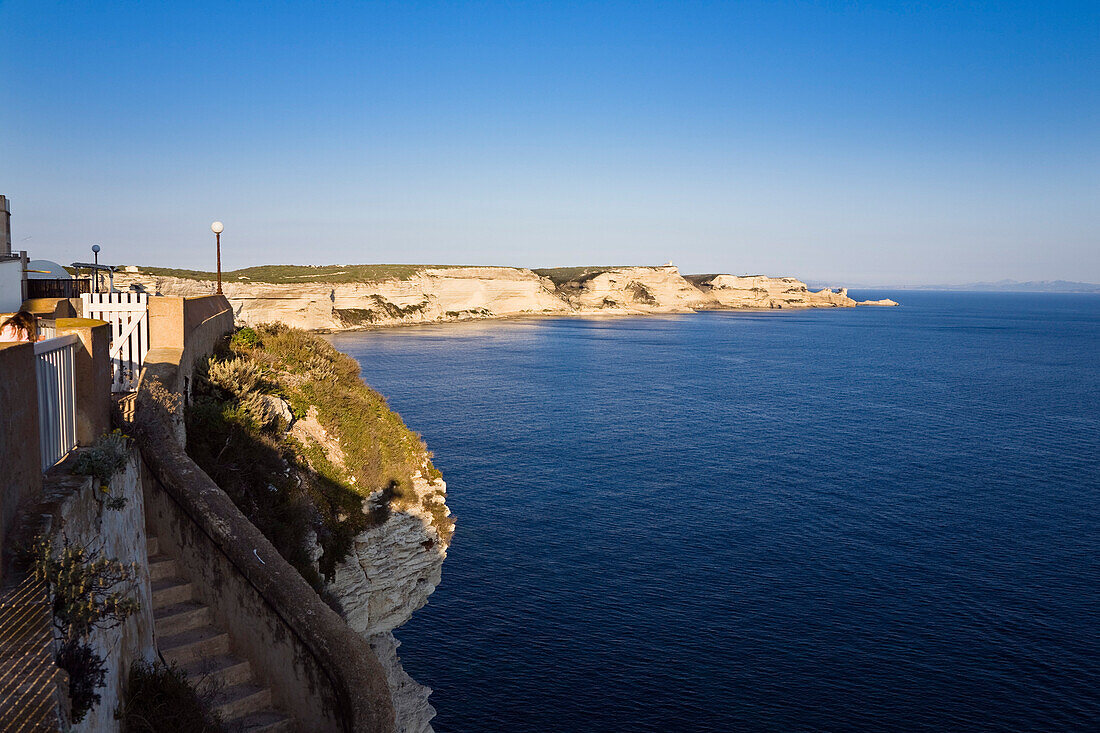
<point x="863" y="142"/>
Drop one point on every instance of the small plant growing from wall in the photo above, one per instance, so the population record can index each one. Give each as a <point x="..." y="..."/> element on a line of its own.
<point x="160" y="699"/>
<point x="103" y="460"/>
<point x="89" y="592"/>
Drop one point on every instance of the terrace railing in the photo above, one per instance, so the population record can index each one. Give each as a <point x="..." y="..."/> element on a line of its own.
<point x="47" y="328"/>
<point x="53" y="364"/>
<point x="58" y="287"/>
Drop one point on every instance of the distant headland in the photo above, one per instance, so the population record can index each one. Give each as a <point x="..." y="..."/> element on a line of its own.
<point x="352" y="297"/>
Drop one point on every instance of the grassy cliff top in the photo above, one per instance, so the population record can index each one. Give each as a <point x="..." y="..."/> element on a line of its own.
<point x="562" y="275"/>
<point x="308" y="469"/>
<point x="303" y="273"/>
<point x="361" y="273"/>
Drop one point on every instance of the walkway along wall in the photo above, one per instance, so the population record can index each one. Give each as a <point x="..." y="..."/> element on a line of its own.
<point x="325" y="674"/>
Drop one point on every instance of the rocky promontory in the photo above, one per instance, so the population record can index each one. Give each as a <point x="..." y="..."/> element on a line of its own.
<point x="350" y="297"/>
<point x="343" y="489"/>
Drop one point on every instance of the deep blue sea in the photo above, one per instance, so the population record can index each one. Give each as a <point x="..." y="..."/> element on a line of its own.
<point x="854" y="519"/>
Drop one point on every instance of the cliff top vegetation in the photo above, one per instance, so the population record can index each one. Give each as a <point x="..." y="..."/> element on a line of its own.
<point x="303" y="273"/>
<point x="283" y="423"/>
<point x="562" y="275"/>
<point x="281" y="274"/>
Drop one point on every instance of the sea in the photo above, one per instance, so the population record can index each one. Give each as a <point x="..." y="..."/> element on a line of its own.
<point x="851" y="519"/>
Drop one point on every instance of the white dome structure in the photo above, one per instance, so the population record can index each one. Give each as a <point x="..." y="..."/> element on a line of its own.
<point x="46" y="270"/>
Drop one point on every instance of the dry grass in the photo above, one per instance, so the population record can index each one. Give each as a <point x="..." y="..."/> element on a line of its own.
<point x="302" y="273"/>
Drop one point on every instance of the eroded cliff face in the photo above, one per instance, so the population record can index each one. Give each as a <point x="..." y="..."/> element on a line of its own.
<point x="413" y="712"/>
<point x="433" y="295"/>
<point x="322" y="465"/>
<point x="395" y="566"/>
<point x="635" y="290"/>
<point x="388" y="576"/>
<point x="761" y="291"/>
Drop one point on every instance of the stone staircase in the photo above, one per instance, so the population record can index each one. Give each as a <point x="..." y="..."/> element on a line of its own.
<point x="187" y="635"/>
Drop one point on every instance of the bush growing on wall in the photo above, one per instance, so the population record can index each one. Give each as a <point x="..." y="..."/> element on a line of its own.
<point x="160" y="699"/>
<point x="103" y="460"/>
<point x="88" y="592"/>
<point x="87" y="672"/>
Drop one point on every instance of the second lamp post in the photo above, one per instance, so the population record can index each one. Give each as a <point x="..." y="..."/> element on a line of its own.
<point x="217" y="227"/>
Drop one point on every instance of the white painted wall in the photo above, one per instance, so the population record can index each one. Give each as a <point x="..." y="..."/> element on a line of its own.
<point x="11" y="285"/>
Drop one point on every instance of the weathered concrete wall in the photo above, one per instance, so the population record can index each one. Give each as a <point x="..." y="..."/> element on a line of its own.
<point x="20" y="473"/>
<point x="178" y="322"/>
<point x="119" y="534"/>
<point x="91" y="376"/>
<point x="183" y="330"/>
<point x="11" y="285"/>
<point x="51" y="307"/>
<point x="72" y="511"/>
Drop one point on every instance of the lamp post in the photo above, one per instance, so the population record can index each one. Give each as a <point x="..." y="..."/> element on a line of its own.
<point x="217" y="228"/>
<point x="95" y="254"/>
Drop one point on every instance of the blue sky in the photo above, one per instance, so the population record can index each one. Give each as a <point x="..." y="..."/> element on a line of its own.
<point x="898" y="143"/>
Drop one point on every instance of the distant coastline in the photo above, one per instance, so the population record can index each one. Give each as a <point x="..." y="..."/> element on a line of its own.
<point x="1000" y="286"/>
<point x="359" y="297"/>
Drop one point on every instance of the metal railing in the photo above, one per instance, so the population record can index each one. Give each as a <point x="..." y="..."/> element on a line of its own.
<point x="47" y="328"/>
<point x="58" y="287"/>
<point x="53" y="366"/>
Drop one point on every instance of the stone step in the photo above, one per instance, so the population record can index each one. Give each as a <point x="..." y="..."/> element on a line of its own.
<point x="178" y="617"/>
<point x="169" y="591"/>
<point x="152" y="544"/>
<point x="193" y="645"/>
<point x="187" y="636"/>
<point x="219" y="672"/>
<point x="267" y="721"/>
<point x="238" y="701"/>
<point x="162" y="566"/>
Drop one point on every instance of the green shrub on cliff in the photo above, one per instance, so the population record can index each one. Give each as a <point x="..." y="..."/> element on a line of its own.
<point x="302" y="273"/>
<point x="310" y="481"/>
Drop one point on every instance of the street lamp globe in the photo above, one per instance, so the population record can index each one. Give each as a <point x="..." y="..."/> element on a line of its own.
<point x="217" y="227"/>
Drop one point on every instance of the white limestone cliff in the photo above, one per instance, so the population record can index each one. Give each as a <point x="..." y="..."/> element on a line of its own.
<point x="394" y="566"/>
<point x="413" y="712"/>
<point x="430" y="295"/>
<point x="439" y="294"/>
<point x="761" y="291"/>
<point x="635" y="290"/>
<point x="392" y="569"/>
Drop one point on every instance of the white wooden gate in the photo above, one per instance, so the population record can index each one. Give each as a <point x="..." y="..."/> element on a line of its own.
<point x="128" y="314"/>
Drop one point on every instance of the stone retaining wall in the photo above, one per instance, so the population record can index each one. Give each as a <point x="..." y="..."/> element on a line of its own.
<point x="325" y="674"/>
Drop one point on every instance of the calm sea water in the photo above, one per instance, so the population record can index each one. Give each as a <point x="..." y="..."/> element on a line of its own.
<point x="852" y="519"/>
